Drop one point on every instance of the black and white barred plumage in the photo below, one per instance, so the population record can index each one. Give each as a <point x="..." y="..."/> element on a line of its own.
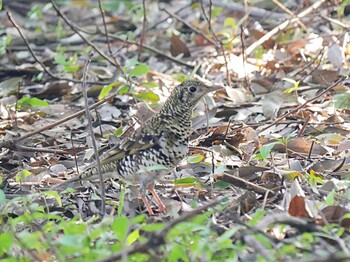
<point x="160" y="141"/>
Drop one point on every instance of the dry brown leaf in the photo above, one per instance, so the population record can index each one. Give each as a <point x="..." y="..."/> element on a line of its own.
<point x="258" y="34"/>
<point x="302" y="146"/>
<point x="177" y="47"/>
<point x="297" y="207"/>
<point x="335" y="214"/>
<point x="324" y="77"/>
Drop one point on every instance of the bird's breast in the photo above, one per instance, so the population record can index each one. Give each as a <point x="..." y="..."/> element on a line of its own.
<point x="163" y="156"/>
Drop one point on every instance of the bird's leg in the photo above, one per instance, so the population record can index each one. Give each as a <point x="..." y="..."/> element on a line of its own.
<point x="160" y="203"/>
<point x="148" y="207"/>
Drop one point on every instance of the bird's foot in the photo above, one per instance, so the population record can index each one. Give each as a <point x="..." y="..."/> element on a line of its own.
<point x="148" y="206"/>
<point x="161" y="206"/>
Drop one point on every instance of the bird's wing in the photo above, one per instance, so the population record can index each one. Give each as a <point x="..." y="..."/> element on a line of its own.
<point x="139" y="141"/>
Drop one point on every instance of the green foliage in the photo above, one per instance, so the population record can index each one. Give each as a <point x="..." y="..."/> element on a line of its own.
<point x="330" y="199"/>
<point x="139" y="70"/>
<point x="68" y="65"/>
<point x="35" y="13"/>
<point x="190" y="240"/>
<point x="259" y="52"/>
<point x="294" y="88"/>
<point x="107" y="89"/>
<point x="201" y="242"/>
<point x="147" y="96"/>
<point x="265" y="151"/>
<point x="118" y="132"/>
<point x="21" y="175"/>
<point x="185" y="180"/>
<point x="342" y="101"/>
<point x="216" y="11"/>
<point x="59" y="29"/>
<point x="195" y="159"/>
<point x="121" y="201"/>
<point x="230" y="27"/>
<point x="4" y="42"/>
<point x="313" y="179"/>
<point x="27" y="102"/>
<point x="131" y="70"/>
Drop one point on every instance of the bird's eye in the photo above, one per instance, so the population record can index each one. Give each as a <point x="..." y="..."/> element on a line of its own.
<point x="192" y="89"/>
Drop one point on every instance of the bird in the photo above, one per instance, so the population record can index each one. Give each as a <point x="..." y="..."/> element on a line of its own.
<point x="157" y="146"/>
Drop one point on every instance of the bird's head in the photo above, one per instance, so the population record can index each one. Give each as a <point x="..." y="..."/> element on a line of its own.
<point x="190" y="92"/>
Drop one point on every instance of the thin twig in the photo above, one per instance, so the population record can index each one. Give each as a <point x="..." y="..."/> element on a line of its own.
<point x="282" y="26"/>
<point x="165" y="19"/>
<point x="91" y="131"/>
<point x="142" y="36"/>
<point x="208" y="19"/>
<point x="77" y="30"/>
<point x="303" y="105"/>
<point x="106" y="32"/>
<point x="248" y="10"/>
<point x="155" y="50"/>
<point x="288" y="11"/>
<point x="12" y="143"/>
<point x="35" y="149"/>
<point x="193" y="28"/>
<point x="31" y="51"/>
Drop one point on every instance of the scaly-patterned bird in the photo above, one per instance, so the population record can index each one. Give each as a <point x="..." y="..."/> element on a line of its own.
<point x="160" y="143"/>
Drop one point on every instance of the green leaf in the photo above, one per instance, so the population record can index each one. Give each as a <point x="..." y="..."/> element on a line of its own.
<point x="259" y="214"/>
<point x="107" y="89"/>
<point x="0" y="4"/>
<point x="152" y="168"/>
<point x="122" y="90"/>
<point x="150" y="85"/>
<point x="32" y="240"/>
<point x="121" y="201"/>
<point x="185" y="180"/>
<point x="6" y="243"/>
<point x="73" y="241"/>
<point x="216" y="11"/>
<point x="8" y="39"/>
<point x="31" y="102"/>
<point x="118" y="132"/>
<point x="21" y="175"/>
<point x="147" y="96"/>
<point x="330" y="199"/>
<point x="153" y="227"/>
<point x="342" y="101"/>
<point x="55" y="195"/>
<point x="178" y="253"/>
<point x="133" y="236"/>
<point x="230" y="22"/>
<point x="292" y="89"/>
<point x="120" y="228"/>
<point x="139" y="70"/>
<point x="60" y="59"/>
<point x="221" y="185"/>
<point x="130" y="63"/>
<point x="36" y="102"/>
<point x="265" y="151"/>
<point x="195" y="159"/>
<point x="74" y="228"/>
<point x="140" y="219"/>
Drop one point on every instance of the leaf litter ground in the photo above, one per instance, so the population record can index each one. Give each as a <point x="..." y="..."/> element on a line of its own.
<point x="273" y="143"/>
